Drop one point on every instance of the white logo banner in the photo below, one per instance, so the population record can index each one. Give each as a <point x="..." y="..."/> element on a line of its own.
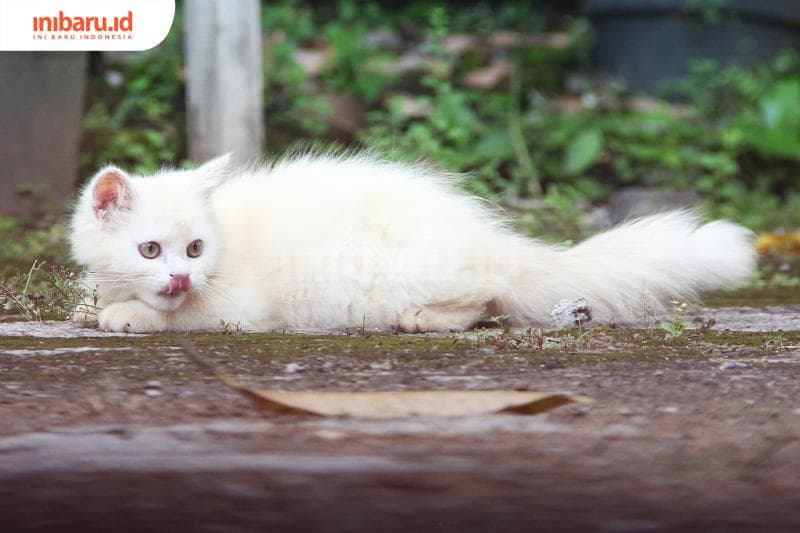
<point x="70" y="25"/>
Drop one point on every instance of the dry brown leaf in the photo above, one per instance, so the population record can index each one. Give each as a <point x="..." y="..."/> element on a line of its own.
<point x="393" y="404"/>
<point x="311" y="60"/>
<point x="488" y="77"/>
<point x="399" y="404"/>
<point x="778" y="243"/>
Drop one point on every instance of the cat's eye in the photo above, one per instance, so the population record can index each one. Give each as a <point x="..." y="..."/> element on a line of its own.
<point x="150" y="250"/>
<point x="195" y="248"/>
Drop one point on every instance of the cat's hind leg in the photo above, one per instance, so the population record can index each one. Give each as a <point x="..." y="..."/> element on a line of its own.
<point x="444" y="316"/>
<point x="132" y="316"/>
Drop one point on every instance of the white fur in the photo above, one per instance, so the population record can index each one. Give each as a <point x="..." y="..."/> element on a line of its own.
<point x="332" y="242"/>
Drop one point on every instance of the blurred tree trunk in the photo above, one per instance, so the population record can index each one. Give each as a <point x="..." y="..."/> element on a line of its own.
<point x="224" y="80"/>
<point x="41" y="100"/>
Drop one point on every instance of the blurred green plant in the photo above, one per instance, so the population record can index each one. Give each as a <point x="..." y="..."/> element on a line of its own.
<point x="26" y="241"/>
<point x="135" y="112"/>
<point x="547" y="132"/>
<point x="41" y="293"/>
<point x="292" y="110"/>
<point x="773" y="128"/>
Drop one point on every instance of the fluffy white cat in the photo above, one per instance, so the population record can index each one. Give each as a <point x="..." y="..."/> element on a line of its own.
<point x="332" y="242"/>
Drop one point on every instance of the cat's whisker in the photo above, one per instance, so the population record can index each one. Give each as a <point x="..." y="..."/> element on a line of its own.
<point x="215" y="296"/>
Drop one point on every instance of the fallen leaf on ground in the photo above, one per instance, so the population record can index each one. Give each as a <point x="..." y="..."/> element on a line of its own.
<point x="392" y="404"/>
<point x="488" y="77"/>
<point x="778" y="243"/>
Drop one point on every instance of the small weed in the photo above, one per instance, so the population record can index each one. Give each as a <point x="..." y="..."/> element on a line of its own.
<point x="230" y="328"/>
<point x="43" y="294"/>
<point x="502" y="322"/>
<point x="530" y="340"/>
<point x="777" y="342"/>
<point x="707" y="325"/>
<point x="676" y="325"/>
<point x="85" y="308"/>
<point x="645" y="311"/>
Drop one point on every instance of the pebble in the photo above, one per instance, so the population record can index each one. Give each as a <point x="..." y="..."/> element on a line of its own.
<point x="330" y="434"/>
<point x="733" y="365"/>
<point x="292" y="368"/>
<point x="570" y="313"/>
<point x="152" y="393"/>
<point x="154" y="384"/>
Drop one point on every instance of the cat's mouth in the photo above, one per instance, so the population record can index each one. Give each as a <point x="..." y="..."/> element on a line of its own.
<point x="167" y="301"/>
<point x="170" y="295"/>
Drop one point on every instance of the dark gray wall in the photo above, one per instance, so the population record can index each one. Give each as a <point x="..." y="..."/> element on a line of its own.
<point x="41" y="101"/>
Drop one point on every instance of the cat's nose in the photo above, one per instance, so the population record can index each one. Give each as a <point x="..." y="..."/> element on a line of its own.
<point x="179" y="283"/>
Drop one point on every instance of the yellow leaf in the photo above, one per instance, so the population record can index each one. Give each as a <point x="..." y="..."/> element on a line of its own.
<point x="393" y="404"/>
<point x="396" y="404"/>
<point x="778" y="243"/>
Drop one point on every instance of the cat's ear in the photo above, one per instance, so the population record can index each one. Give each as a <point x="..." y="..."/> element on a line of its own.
<point x="218" y="165"/>
<point x="214" y="171"/>
<point x="111" y="191"/>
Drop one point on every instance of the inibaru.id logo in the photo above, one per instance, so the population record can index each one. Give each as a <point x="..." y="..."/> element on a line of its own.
<point x="100" y="27"/>
<point x="72" y="25"/>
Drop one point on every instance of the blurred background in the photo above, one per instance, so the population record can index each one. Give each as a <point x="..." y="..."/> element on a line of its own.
<point x="571" y="115"/>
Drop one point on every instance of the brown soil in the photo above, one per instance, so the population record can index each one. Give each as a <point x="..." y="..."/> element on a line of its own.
<point x="701" y="432"/>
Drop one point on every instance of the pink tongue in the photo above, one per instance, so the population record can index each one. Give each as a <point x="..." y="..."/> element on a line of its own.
<point x="179" y="284"/>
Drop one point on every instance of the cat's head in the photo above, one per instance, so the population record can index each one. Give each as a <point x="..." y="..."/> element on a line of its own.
<point x="149" y="238"/>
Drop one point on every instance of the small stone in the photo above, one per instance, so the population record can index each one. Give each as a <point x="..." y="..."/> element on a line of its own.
<point x="330" y="434"/>
<point x="114" y="78"/>
<point x="154" y="384"/>
<point x="152" y="393"/>
<point x="383" y="38"/>
<point x="570" y="313"/>
<point x="488" y="77"/>
<point x="733" y="365"/>
<point x="292" y="368"/>
<point x="671" y="409"/>
<point x="311" y="61"/>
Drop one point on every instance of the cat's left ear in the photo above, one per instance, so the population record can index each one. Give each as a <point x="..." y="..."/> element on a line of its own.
<point x="214" y="171"/>
<point x="111" y="191"/>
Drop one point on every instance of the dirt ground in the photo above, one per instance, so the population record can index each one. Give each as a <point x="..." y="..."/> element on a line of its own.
<point x="123" y="433"/>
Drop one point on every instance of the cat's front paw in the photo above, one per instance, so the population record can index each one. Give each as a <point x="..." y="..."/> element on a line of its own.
<point x="131" y="317"/>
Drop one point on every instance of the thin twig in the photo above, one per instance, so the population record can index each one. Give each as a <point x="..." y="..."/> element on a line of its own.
<point x="516" y="135"/>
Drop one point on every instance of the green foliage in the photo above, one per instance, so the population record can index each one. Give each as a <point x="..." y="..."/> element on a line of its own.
<point x="546" y="132"/>
<point x="41" y="293"/>
<point x="676" y="325"/>
<point x="583" y="151"/>
<point x="356" y="67"/>
<point x="135" y="112"/>
<point x="292" y="110"/>
<point x="26" y="241"/>
<point x="774" y="128"/>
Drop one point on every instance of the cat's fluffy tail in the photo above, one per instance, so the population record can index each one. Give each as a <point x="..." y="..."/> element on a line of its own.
<point x="633" y="270"/>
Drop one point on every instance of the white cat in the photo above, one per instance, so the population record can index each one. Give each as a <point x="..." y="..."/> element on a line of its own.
<point x="332" y="242"/>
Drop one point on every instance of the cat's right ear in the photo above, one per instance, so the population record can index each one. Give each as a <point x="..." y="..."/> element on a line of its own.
<point x="218" y="165"/>
<point x="111" y="191"/>
<point x="214" y="172"/>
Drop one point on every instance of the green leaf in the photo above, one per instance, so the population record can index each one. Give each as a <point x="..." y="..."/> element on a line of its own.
<point x="495" y="144"/>
<point x="583" y="151"/>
